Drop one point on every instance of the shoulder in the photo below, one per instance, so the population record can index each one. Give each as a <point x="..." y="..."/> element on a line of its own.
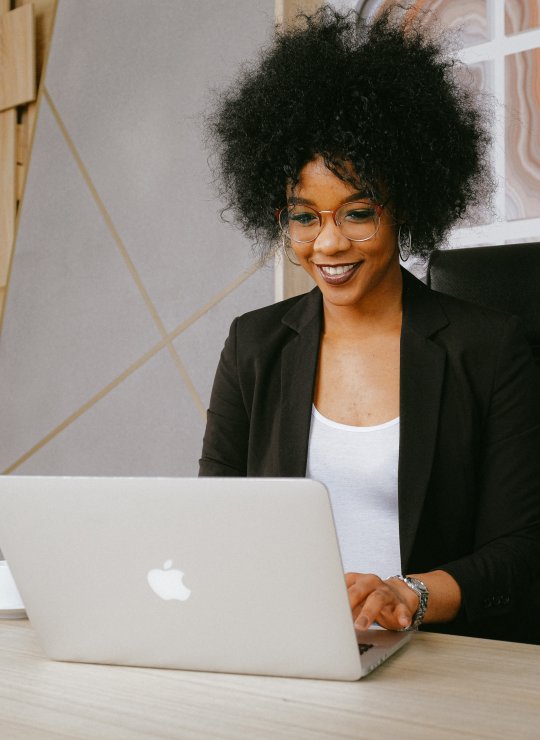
<point x="454" y="315"/>
<point x="278" y="320"/>
<point x="459" y="309"/>
<point x="473" y="322"/>
<point x="269" y="315"/>
<point x="472" y="335"/>
<point x="483" y="338"/>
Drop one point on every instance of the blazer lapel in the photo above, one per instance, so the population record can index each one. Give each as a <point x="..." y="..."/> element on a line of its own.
<point x="421" y="380"/>
<point x="298" y="372"/>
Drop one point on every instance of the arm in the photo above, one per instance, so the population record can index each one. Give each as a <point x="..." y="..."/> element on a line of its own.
<point x="393" y="604"/>
<point x="506" y="555"/>
<point x="225" y="441"/>
<point x="504" y="560"/>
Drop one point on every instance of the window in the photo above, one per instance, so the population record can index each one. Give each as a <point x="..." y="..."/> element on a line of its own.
<point x="500" y="44"/>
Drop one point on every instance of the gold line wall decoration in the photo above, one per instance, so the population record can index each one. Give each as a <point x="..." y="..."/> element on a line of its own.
<point x="120" y="118"/>
<point x="125" y="254"/>
<point x="165" y="342"/>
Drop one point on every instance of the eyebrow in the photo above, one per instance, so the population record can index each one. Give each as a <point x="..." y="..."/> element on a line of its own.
<point x="360" y="195"/>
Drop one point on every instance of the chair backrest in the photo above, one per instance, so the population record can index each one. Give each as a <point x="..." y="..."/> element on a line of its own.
<point x="505" y="277"/>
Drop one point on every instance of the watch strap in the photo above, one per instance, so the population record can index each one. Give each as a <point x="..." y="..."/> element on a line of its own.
<point x="422" y="591"/>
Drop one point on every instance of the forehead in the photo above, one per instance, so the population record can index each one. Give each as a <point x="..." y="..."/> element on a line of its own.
<point x="317" y="184"/>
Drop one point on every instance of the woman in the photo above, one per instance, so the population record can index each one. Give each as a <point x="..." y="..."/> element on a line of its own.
<point x="350" y="142"/>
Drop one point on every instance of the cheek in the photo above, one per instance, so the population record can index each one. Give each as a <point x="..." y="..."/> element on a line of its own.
<point x="387" y="247"/>
<point x="301" y="254"/>
<point x="297" y="256"/>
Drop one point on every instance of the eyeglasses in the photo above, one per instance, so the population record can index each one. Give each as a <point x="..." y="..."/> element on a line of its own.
<point x="357" y="221"/>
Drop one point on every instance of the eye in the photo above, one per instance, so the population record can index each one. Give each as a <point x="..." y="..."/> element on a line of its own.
<point x="303" y="217"/>
<point x="356" y="213"/>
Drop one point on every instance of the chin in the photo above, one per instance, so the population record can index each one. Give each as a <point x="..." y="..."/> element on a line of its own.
<point x="340" y="296"/>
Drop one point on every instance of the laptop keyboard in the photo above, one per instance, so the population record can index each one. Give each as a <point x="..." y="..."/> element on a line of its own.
<point x="363" y="647"/>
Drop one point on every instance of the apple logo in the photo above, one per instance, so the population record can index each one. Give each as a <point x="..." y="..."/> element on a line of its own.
<point x="167" y="583"/>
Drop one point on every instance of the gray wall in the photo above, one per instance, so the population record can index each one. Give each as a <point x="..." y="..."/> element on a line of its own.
<point x="125" y="280"/>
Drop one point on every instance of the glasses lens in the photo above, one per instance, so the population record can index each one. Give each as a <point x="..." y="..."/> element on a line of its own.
<point x="358" y="221"/>
<point x="300" y="222"/>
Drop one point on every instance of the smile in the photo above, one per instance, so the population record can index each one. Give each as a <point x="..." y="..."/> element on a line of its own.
<point x="337" y="274"/>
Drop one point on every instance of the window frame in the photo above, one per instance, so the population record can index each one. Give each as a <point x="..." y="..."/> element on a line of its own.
<point x="500" y="230"/>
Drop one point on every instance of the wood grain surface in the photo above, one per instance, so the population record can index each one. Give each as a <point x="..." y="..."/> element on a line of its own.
<point x="8" y="170"/>
<point x="18" y="53"/>
<point x="436" y="687"/>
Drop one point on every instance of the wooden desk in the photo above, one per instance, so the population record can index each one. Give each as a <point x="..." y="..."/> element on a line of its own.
<point x="436" y="687"/>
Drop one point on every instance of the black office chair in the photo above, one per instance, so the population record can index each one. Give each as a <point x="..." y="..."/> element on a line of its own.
<point x="508" y="278"/>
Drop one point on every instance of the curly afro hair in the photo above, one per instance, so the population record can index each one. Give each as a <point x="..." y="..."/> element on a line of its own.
<point x="381" y="95"/>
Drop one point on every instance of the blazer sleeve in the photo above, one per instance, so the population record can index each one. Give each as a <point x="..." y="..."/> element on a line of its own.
<point x="506" y="556"/>
<point x="225" y="443"/>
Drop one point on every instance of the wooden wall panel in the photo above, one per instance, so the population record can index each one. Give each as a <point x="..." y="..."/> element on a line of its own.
<point x="44" y="17"/>
<point x="287" y="10"/>
<point x="44" y="11"/>
<point x="8" y="123"/>
<point x="8" y="150"/>
<point x="295" y="279"/>
<point x="25" y="33"/>
<point x="17" y="57"/>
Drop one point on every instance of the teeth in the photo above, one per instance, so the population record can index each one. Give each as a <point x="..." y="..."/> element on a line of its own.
<point x="337" y="270"/>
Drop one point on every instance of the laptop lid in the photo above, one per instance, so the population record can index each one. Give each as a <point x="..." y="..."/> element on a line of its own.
<point x="214" y="574"/>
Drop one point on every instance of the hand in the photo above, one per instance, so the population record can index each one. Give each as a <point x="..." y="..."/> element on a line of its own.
<point x="390" y="603"/>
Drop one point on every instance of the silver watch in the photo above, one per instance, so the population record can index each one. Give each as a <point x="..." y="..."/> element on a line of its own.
<point x="422" y="591"/>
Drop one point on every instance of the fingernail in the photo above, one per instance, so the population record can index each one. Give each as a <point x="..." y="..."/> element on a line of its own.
<point x="404" y="621"/>
<point x="362" y="623"/>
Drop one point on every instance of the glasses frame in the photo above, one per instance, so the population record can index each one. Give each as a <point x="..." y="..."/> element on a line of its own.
<point x="377" y="206"/>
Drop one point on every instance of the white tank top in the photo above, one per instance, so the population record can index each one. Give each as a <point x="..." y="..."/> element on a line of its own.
<point x="359" y="467"/>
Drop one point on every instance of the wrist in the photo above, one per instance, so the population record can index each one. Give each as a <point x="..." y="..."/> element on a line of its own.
<point x="418" y="596"/>
<point x="406" y="594"/>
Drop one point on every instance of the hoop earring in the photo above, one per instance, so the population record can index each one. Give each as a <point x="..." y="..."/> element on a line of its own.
<point x="286" y="252"/>
<point x="404" y="243"/>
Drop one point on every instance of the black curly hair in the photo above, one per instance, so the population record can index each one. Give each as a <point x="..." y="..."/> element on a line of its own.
<point x="381" y="95"/>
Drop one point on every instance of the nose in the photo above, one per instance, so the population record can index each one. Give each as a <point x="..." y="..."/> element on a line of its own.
<point x="330" y="240"/>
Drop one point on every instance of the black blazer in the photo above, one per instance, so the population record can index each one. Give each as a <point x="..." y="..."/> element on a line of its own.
<point x="469" y="456"/>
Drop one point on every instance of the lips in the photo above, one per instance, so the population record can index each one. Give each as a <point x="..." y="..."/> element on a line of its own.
<point x="338" y="274"/>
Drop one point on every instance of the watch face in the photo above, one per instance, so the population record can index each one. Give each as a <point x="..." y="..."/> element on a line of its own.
<point x="418" y="585"/>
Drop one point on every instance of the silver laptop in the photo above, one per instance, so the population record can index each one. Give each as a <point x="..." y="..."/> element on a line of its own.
<point x="241" y="575"/>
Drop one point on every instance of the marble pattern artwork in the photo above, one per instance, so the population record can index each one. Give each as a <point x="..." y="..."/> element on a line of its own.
<point x="521" y="15"/>
<point x="523" y="135"/>
<point x="467" y="18"/>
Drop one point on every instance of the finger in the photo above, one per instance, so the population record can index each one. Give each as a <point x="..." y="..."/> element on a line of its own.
<point x="395" y="617"/>
<point x="368" y="581"/>
<point x="361" y="585"/>
<point x="358" y="609"/>
<point x="373" y="606"/>
<point x="385" y="601"/>
<point x="403" y="615"/>
<point x="356" y="599"/>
